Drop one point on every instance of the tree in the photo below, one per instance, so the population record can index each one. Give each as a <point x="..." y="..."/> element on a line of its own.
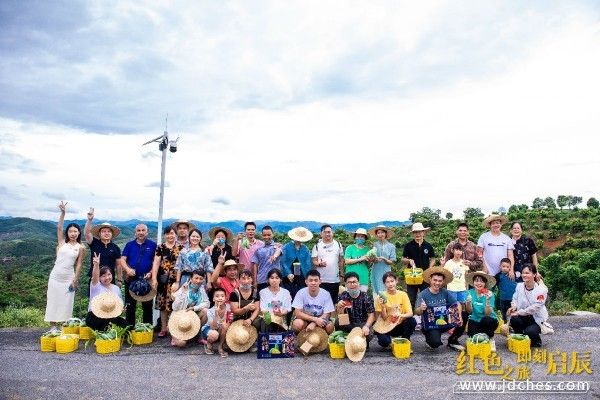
<point x="549" y="202"/>
<point x="562" y="200"/>
<point x="472" y="213"/>
<point x="502" y="210"/>
<point x="575" y="200"/>
<point x="449" y="215"/>
<point x="537" y="203"/>
<point x="427" y="216"/>
<point x="593" y="203"/>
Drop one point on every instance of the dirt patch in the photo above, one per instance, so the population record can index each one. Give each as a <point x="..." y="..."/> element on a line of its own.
<point x="550" y="246"/>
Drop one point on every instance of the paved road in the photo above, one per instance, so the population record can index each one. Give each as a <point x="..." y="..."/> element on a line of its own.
<point x="158" y="371"/>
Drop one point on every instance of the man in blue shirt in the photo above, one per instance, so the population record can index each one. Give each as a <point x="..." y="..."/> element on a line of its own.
<point x="136" y="262"/>
<point x="265" y="258"/>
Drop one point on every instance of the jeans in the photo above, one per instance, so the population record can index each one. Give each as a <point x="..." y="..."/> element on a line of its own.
<point x="433" y="337"/>
<point x="131" y="304"/>
<point x="405" y="330"/>
<point x="487" y="325"/>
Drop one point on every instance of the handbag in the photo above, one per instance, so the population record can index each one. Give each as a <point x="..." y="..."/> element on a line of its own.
<point x="546" y="328"/>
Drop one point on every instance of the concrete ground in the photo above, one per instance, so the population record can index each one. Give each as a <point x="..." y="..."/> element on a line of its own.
<point x="158" y="371"/>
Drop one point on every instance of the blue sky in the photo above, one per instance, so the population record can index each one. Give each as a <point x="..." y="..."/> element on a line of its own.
<point x="332" y="111"/>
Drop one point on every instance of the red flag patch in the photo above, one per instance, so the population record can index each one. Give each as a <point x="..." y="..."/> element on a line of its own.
<point x="540" y="297"/>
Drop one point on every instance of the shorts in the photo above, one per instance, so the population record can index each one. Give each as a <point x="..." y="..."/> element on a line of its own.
<point x="204" y="331"/>
<point x="461" y="296"/>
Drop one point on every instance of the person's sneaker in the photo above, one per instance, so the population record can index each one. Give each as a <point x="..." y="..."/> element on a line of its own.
<point x="456" y="346"/>
<point x="493" y="345"/>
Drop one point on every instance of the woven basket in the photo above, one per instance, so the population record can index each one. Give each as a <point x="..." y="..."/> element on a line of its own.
<point x="67" y="343"/>
<point x="480" y="350"/>
<point x="48" y="343"/>
<point x="337" y="350"/>
<point x="413" y="280"/>
<point x="519" y="346"/>
<point x="401" y="349"/>
<point x="108" y="346"/>
<point x="70" y="330"/>
<point x="139" y="338"/>
<point x="85" y="333"/>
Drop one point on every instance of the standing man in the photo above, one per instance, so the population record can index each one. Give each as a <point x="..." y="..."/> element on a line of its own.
<point x="100" y="239"/>
<point x="136" y="261"/>
<point x="328" y="259"/>
<point x="469" y="254"/>
<point x="182" y="228"/>
<point x="265" y="258"/>
<point x="418" y="254"/>
<point x="494" y="245"/>
<point x="245" y="247"/>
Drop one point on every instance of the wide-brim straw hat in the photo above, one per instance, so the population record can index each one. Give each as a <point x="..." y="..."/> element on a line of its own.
<point x="355" y="345"/>
<point x="228" y="234"/>
<point x="279" y="320"/>
<point x="418" y="227"/>
<point x="448" y="277"/>
<point x="300" y="234"/>
<point x="386" y="325"/>
<point x="490" y="280"/>
<point x="361" y="231"/>
<point x="96" y="229"/>
<point x="494" y="217"/>
<point x="239" y="337"/>
<point x="184" y="325"/>
<point x="388" y="231"/>
<point x="317" y="338"/>
<point x="107" y="305"/>
<point x="175" y="224"/>
<point x="151" y="294"/>
<point x="232" y="263"/>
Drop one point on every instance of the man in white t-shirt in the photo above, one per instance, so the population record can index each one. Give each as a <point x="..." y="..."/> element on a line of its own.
<point x="328" y="259"/>
<point x="312" y="305"/>
<point x="494" y="245"/>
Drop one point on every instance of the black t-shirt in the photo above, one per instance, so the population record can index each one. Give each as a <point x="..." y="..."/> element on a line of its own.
<point x="109" y="254"/>
<point x="419" y="254"/>
<point x="217" y="252"/>
<point x="234" y="298"/>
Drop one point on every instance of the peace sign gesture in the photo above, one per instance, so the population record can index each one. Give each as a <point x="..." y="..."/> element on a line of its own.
<point x="96" y="259"/>
<point x="221" y="258"/>
<point x="63" y="206"/>
<point x="90" y="214"/>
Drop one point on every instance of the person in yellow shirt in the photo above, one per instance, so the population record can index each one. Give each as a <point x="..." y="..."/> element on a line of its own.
<point x="393" y="311"/>
<point x="459" y="271"/>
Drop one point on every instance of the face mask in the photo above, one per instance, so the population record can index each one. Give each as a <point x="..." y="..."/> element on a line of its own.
<point x="359" y="241"/>
<point x="221" y="241"/>
<point x="354" y="292"/>
<point x="194" y="286"/>
<point x="246" y="287"/>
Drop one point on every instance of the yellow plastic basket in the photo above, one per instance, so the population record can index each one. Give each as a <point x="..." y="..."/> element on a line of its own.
<point x="108" y="346"/>
<point x="85" y="333"/>
<point x="401" y="349"/>
<point x="67" y="343"/>
<point x="413" y="280"/>
<point x="140" y="338"/>
<point x="70" y="330"/>
<point x="337" y="350"/>
<point x="519" y="346"/>
<point x="480" y="350"/>
<point x="48" y="343"/>
<point x="499" y="328"/>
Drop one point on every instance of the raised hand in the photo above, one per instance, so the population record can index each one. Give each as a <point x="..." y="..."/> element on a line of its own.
<point x="90" y="214"/>
<point x="63" y="207"/>
<point x="96" y="259"/>
<point x="221" y="258"/>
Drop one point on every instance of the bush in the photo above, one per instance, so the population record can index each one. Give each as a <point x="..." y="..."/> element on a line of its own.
<point x="591" y="301"/>
<point x="13" y="316"/>
<point x="560" y="307"/>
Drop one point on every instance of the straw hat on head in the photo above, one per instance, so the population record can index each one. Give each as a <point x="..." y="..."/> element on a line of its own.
<point x="184" y="325"/>
<point x="300" y="234"/>
<point x="356" y="345"/>
<point x="386" y="325"/>
<point x="232" y="263"/>
<point x="175" y="224"/>
<point x="448" y="277"/>
<point x="494" y="217"/>
<point x="418" y="227"/>
<point x="213" y="232"/>
<point x="490" y="281"/>
<point x="361" y="231"/>
<point x="107" y="305"/>
<point x="316" y="340"/>
<point x="239" y="337"/>
<point x="141" y="290"/>
<point x="388" y="231"/>
<point x="96" y="229"/>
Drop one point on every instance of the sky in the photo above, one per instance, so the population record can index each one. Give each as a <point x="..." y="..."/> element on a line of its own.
<point x="334" y="111"/>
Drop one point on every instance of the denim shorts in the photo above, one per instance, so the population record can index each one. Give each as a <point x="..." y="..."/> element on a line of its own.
<point x="461" y="296"/>
<point x="204" y="331"/>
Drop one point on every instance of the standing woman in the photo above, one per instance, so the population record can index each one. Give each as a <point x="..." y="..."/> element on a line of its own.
<point x="386" y="255"/>
<point x="525" y="249"/>
<point x="221" y="239"/>
<point x="164" y="275"/>
<point x="191" y="259"/>
<point x="64" y="276"/>
<point x="528" y="310"/>
<point x="357" y="260"/>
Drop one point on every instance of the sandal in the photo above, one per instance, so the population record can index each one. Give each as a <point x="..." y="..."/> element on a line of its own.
<point x="223" y="353"/>
<point x="208" y="349"/>
<point x="162" y="334"/>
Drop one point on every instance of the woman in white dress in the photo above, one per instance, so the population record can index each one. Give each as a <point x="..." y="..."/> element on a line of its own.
<point x="64" y="276"/>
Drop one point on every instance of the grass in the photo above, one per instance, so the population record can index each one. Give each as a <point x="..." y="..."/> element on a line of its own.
<point x="13" y="316"/>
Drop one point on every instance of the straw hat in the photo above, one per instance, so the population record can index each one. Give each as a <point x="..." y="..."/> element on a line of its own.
<point x="448" y="277"/>
<point x="388" y="232"/>
<point x="494" y="217"/>
<point x="175" y="224"/>
<point x="232" y="263"/>
<point x="278" y="320"/>
<point x="213" y="232"/>
<point x="107" y="305"/>
<point x="386" y="325"/>
<point x="300" y="234"/>
<point x="96" y="229"/>
<point x="240" y="338"/>
<point x="490" y="280"/>
<point x="184" y="325"/>
<point x="356" y="345"/>
<point x="418" y="227"/>
<point x="139" y="286"/>
<point x="361" y="231"/>
<point x="316" y="340"/>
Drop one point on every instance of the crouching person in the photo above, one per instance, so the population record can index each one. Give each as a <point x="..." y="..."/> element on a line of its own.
<point x="312" y="305"/>
<point x="394" y="312"/>
<point x="355" y="308"/>
<point x="217" y="323"/>
<point x="106" y="302"/>
<point x="192" y="297"/>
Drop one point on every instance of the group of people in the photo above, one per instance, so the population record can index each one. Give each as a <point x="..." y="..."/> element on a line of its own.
<point x="224" y="293"/>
